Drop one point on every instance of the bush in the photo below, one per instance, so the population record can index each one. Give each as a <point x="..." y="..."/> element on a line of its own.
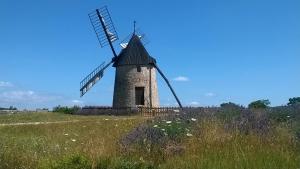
<point x="73" y="162"/>
<point x="66" y="110"/>
<point x="293" y="101"/>
<point x="230" y="105"/>
<point x="259" y="104"/>
<point x="230" y="111"/>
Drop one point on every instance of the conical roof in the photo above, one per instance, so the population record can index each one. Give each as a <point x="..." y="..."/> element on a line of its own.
<point x="134" y="54"/>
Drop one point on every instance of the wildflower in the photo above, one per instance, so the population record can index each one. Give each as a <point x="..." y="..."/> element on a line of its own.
<point x="189" y="134"/>
<point x="288" y="116"/>
<point x="66" y="134"/>
<point x="163" y="130"/>
<point x="169" y="122"/>
<point x="193" y="119"/>
<point x="106" y="119"/>
<point x="155" y="126"/>
<point x="141" y="159"/>
<point x="73" y="140"/>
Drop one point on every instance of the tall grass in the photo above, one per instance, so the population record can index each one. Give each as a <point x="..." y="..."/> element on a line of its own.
<point x="195" y="140"/>
<point x="214" y="147"/>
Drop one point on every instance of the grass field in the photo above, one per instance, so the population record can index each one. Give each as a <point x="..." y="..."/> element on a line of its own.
<point x="95" y="141"/>
<point x="31" y="146"/>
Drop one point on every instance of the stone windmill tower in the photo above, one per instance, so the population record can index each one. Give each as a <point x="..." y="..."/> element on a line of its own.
<point x="135" y="79"/>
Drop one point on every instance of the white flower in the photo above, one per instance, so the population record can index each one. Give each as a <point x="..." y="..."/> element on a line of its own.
<point x="193" y="119"/>
<point x="189" y="134"/>
<point x="66" y="134"/>
<point x="73" y="140"/>
<point x="163" y="130"/>
<point x="106" y="119"/>
<point x="169" y="122"/>
<point x="155" y="125"/>
<point x="288" y="116"/>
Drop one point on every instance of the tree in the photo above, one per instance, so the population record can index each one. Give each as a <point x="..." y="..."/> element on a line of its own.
<point x="230" y="105"/>
<point x="293" y="101"/>
<point x="259" y="104"/>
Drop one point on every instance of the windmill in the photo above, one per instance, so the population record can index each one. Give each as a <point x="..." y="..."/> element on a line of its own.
<point x="135" y="78"/>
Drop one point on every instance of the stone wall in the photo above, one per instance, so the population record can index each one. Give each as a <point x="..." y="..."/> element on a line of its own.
<point x="127" y="78"/>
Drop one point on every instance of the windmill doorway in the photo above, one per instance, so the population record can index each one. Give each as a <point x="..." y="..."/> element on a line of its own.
<point x="139" y="96"/>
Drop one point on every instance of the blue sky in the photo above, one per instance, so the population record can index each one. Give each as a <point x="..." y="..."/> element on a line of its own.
<point x="212" y="51"/>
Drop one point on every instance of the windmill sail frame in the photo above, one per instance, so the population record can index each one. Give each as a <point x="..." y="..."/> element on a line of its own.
<point x="103" y="26"/>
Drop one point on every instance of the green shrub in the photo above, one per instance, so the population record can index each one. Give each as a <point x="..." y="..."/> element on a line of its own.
<point x="73" y="162"/>
<point x="294" y="100"/>
<point x="229" y="111"/>
<point x="66" y="110"/>
<point x="259" y="104"/>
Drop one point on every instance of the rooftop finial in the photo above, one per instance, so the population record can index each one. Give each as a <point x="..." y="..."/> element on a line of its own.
<point x="134" y="22"/>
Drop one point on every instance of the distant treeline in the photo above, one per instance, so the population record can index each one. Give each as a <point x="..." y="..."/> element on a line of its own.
<point x="65" y="109"/>
<point x="10" y="108"/>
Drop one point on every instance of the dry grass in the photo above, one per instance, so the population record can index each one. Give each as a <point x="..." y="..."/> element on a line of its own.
<point x="31" y="146"/>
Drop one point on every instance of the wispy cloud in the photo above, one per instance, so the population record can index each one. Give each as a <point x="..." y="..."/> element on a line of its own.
<point x="13" y="95"/>
<point x="210" y="94"/>
<point x="194" y="103"/>
<point x="181" y="79"/>
<point x="26" y="96"/>
<point x="77" y="102"/>
<point x="5" y="84"/>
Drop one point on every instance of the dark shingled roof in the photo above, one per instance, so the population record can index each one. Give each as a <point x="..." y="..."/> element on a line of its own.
<point x="134" y="54"/>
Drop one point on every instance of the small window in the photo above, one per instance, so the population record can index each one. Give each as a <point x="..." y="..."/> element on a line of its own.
<point x="138" y="68"/>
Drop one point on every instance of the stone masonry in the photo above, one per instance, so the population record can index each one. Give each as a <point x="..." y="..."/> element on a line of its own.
<point x="127" y="78"/>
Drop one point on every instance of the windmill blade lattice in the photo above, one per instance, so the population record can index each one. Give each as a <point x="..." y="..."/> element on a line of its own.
<point x="109" y="26"/>
<point x="90" y="80"/>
